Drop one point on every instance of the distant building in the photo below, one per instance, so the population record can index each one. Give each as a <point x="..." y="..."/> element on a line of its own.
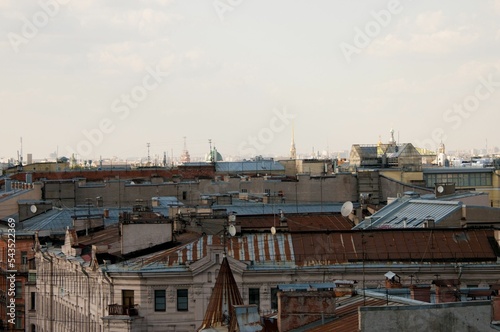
<point x="403" y="156"/>
<point x="469" y="178"/>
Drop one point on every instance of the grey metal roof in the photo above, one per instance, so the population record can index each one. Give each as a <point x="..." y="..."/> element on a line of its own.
<point x="410" y="213"/>
<point x="259" y="166"/>
<point x="250" y="209"/>
<point x="57" y="220"/>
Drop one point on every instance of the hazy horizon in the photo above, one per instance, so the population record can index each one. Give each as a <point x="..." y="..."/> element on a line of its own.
<point x="106" y="78"/>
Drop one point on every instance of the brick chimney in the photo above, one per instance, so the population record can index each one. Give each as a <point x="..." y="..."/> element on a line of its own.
<point x="296" y="309"/>
<point x="420" y="293"/>
<point x="392" y="280"/>
<point x="447" y="290"/>
<point x="495" y="310"/>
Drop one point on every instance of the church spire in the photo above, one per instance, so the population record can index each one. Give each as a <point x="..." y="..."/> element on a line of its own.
<point x="293" y="151"/>
<point x="185" y="157"/>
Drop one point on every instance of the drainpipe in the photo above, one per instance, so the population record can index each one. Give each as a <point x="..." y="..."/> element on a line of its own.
<point x="108" y="279"/>
<point x="51" y="292"/>
<point x="88" y="294"/>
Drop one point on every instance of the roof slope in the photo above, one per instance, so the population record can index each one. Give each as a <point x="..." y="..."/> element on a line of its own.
<point x="347" y="313"/>
<point x="225" y="294"/>
<point x="264" y="251"/>
<point x="408" y="213"/>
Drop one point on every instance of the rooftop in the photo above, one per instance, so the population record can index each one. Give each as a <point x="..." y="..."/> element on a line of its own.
<point x="407" y="212"/>
<point x="291" y="250"/>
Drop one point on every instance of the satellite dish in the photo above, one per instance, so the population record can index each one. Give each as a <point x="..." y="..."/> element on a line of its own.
<point x="273" y="230"/>
<point x="33" y="209"/>
<point x="232" y="230"/>
<point x="346" y="208"/>
<point x="232" y="218"/>
<point x="440" y="189"/>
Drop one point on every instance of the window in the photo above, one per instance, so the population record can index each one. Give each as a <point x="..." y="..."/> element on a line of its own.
<point x="182" y="300"/>
<point x="24" y="257"/>
<point x="33" y="301"/>
<point x="274" y="298"/>
<point x="209" y="277"/>
<point x="19" y="320"/>
<point x="184" y="195"/>
<point x="254" y="296"/>
<point x="19" y="289"/>
<point x="127" y="298"/>
<point x="160" y="300"/>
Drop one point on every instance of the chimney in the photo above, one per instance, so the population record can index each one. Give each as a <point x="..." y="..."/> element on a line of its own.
<point x="447" y="291"/>
<point x="420" y="293"/>
<point x="495" y="310"/>
<point x="464" y="212"/>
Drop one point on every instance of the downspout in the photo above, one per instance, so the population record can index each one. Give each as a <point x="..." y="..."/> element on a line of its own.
<point x="88" y="294"/>
<point x="51" y="292"/>
<point x="111" y="288"/>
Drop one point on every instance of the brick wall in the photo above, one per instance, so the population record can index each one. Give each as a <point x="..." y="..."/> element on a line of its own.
<point x="297" y="309"/>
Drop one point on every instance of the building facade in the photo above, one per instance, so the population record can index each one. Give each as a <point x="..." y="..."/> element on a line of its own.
<point x="169" y="290"/>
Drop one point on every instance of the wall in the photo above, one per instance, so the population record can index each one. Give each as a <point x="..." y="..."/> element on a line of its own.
<point x="402" y="176"/>
<point x="456" y="317"/>
<point x="391" y="188"/>
<point x="8" y="204"/>
<point x="338" y="188"/>
<point x="24" y="243"/>
<point x="297" y="309"/>
<point x="494" y="192"/>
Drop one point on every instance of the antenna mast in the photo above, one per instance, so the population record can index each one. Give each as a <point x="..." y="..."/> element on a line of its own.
<point x="149" y="159"/>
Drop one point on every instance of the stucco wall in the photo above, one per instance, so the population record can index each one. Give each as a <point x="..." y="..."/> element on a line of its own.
<point x="453" y="317"/>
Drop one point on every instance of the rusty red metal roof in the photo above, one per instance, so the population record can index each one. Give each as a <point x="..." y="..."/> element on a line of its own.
<point x="330" y="247"/>
<point x="346" y="314"/>
<point x="225" y="294"/>
<point x="298" y="223"/>
<point x="437" y="245"/>
<point x="266" y="249"/>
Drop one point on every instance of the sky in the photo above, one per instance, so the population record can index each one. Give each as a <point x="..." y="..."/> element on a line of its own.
<point x="102" y="79"/>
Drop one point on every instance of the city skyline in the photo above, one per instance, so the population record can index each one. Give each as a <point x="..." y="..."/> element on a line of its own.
<point x="105" y="79"/>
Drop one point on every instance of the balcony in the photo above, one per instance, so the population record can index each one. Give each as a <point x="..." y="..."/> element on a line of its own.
<point x="117" y="309"/>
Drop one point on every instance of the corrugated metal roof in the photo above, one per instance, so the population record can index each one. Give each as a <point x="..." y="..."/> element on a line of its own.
<point x="248" y="208"/>
<point x="225" y="294"/>
<point x="320" y="249"/>
<point x="393" y="245"/>
<point x="346" y="313"/>
<point x="260" y="249"/>
<point x="410" y="213"/>
<point x="57" y="220"/>
<point x="298" y="223"/>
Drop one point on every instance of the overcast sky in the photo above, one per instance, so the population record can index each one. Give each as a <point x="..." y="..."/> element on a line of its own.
<point x="104" y="78"/>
